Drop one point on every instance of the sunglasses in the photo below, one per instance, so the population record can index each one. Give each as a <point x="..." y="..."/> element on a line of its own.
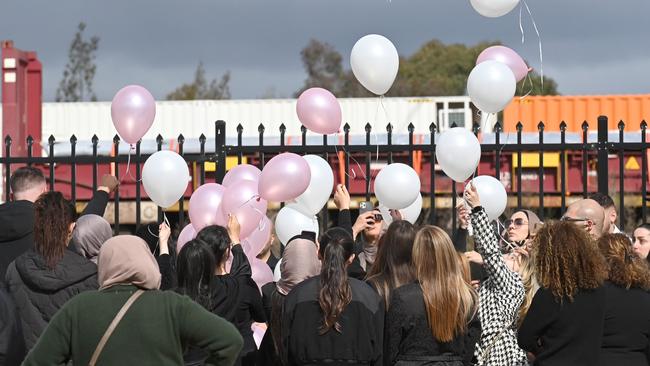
<point x="518" y="222"/>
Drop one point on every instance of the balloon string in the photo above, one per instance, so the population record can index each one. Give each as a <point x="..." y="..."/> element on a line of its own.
<point x="506" y="241"/>
<point x="530" y="80"/>
<point x="127" y="173"/>
<point x="539" y="39"/>
<point x="262" y="214"/>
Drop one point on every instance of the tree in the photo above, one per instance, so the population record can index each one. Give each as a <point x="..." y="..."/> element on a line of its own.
<point x="199" y="88"/>
<point x="323" y="66"/>
<point x="77" y="82"/>
<point x="436" y="69"/>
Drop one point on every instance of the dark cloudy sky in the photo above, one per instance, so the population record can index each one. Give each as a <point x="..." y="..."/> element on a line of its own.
<point x="590" y="46"/>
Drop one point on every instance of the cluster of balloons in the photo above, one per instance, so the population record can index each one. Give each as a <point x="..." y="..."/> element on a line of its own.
<point x="493" y="81"/>
<point x="374" y="61"/>
<point x="458" y="153"/>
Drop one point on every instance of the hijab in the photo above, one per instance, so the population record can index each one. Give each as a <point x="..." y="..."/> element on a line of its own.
<point x="90" y="232"/>
<point x="126" y="259"/>
<point x="299" y="262"/>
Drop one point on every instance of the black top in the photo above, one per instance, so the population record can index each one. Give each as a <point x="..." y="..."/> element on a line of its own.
<point x="567" y="333"/>
<point x="39" y="292"/>
<point x="272" y="261"/>
<point x="627" y="327"/>
<point x="12" y="344"/>
<point x="17" y="226"/>
<point x="250" y="310"/>
<point x="227" y="290"/>
<point x="362" y="327"/>
<point x="409" y="339"/>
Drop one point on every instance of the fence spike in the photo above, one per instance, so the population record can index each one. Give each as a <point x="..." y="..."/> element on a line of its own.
<point x="202" y="138"/>
<point x="7" y="140"/>
<point x="346" y="127"/>
<point x="411" y="127"/>
<point x="368" y="127"/>
<point x="621" y="125"/>
<point x="540" y="126"/>
<point x="563" y="126"/>
<point x="585" y="126"/>
<point x="432" y="127"/>
<point x="240" y="128"/>
<point x="51" y="139"/>
<point x="116" y="138"/>
<point x="73" y="139"/>
<point x="261" y="128"/>
<point x="283" y="128"/>
<point x="520" y="126"/>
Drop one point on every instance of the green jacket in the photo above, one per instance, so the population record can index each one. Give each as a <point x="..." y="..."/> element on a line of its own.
<point x="155" y="331"/>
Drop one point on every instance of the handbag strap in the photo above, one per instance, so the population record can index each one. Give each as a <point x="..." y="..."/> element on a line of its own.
<point x="113" y="325"/>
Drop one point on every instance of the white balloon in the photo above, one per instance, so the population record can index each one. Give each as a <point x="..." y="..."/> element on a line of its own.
<point x="493" y="8"/>
<point x="492" y="193"/>
<point x="276" y="271"/>
<point x="397" y="186"/>
<point x="491" y="86"/>
<point x="290" y="222"/>
<point x="410" y="214"/>
<point x="458" y="152"/>
<point x="164" y="176"/>
<point x="320" y="186"/>
<point x="375" y="62"/>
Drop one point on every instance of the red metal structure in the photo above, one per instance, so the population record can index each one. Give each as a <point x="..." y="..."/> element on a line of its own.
<point x="21" y="97"/>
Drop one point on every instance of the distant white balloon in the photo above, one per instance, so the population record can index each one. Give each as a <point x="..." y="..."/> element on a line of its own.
<point x="492" y="193"/>
<point x="458" y="152"/>
<point x="375" y="62"/>
<point x="493" y="8"/>
<point x="397" y="186"/>
<point x="409" y="214"/>
<point x="165" y="176"/>
<point x="491" y="86"/>
<point x="290" y="222"/>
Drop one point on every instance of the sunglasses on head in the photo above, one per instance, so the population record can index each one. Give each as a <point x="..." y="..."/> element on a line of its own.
<point x="574" y="219"/>
<point x="517" y="222"/>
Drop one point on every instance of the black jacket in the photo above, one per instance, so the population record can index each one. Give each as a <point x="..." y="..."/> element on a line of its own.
<point x="567" y="333"/>
<point x="17" y="226"/>
<point x="12" y="344"/>
<point x="362" y="327"/>
<point x="39" y="292"/>
<point x="627" y="327"/>
<point x="408" y="339"/>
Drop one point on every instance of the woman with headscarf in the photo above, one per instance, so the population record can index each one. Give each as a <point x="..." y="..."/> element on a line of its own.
<point x="90" y="232"/>
<point x="299" y="262"/>
<point x="154" y="329"/>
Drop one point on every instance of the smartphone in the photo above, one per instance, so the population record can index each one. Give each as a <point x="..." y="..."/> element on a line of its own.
<point x="365" y="206"/>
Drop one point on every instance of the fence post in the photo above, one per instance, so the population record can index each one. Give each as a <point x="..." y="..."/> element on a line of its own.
<point x="220" y="150"/>
<point x="603" y="164"/>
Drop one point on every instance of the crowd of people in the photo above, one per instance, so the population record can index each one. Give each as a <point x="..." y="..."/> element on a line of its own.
<point x="571" y="291"/>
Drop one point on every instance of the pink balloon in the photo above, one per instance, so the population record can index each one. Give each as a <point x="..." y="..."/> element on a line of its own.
<point x="284" y="178"/>
<point x="319" y="111"/>
<point x="258" y="239"/>
<point x="506" y="56"/>
<point x="188" y="233"/>
<point x="204" y="205"/>
<point x="242" y="172"/>
<point x="133" y="110"/>
<point x="258" y="334"/>
<point x="261" y="272"/>
<point x="243" y="201"/>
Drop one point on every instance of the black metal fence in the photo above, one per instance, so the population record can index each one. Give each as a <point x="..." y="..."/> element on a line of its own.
<point x="600" y="149"/>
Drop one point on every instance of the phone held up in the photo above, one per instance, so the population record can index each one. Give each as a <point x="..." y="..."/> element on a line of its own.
<point x="366" y="206"/>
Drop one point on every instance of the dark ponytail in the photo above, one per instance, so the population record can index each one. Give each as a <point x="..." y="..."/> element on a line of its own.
<point x="53" y="215"/>
<point x="195" y="266"/>
<point x="335" y="292"/>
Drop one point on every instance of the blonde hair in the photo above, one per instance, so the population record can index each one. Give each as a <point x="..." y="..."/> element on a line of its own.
<point x="450" y="301"/>
<point x="527" y="273"/>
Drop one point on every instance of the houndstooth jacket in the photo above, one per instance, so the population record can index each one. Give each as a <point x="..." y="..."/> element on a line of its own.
<point x="500" y="297"/>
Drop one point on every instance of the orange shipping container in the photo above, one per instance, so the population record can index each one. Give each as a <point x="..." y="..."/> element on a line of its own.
<point x="574" y="110"/>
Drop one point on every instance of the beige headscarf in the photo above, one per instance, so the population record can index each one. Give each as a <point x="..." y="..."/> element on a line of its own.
<point x="126" y="259"/>
<point x="299" y="262"/>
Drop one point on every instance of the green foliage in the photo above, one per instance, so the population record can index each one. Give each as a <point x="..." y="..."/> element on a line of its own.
<point x="200" y="89"/>
<point x="77" y="82"/>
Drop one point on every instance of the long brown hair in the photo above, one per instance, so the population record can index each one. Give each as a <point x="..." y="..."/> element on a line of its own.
<point x="53" y="215"/>
<point x="449" y="299"/>
<point x="567" y="260"/>
<point x="393" y="266"/>
<point x="335" y="292"/>
<point x="625" y="268"/>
